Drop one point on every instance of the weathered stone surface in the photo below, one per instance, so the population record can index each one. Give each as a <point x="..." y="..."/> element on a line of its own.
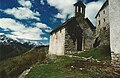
<point x="57" y="41"/>
<point x="102" y="27"/>
<point x="114" y="18"/>
<point x="115" y="59"/>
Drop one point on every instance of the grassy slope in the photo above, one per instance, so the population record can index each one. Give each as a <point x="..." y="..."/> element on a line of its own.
<point x="55" y="69"/>
<point x="62" y="67"/>
<point x="13" y="67"/>
<point x="97" y="53"/>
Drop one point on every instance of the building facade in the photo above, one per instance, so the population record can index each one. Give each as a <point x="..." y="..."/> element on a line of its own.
<point x="114" y="16"/>
<point x="74" y="35"/>
<point x="102" y="36"/>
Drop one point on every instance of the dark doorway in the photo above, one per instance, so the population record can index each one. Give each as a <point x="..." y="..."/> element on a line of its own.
<point x="97" y="42"/>
<point x="79" y="43"/>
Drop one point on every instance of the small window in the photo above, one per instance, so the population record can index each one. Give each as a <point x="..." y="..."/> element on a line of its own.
<point x="99" y="22"/>
<point x="104" y="19"/>
<point x="81" y="9"/>
<point x="104" y="28"/>
<point x="104" y="12"/>
<point x="99" y="15"/>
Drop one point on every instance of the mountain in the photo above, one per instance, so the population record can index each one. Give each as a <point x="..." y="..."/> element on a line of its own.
<point x="11" y="47"/>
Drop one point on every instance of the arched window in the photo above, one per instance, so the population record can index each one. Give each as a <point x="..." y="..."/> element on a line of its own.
<point x="77" y="9"/>
<point x="81" y="9"/>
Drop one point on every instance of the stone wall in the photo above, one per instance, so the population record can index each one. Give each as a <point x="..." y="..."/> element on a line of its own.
<point x="114" y="17"/>
<point x="72" y="35"/>
<point x="87" y="34"/>
<point x="78" y="36"/>
<point x="103" y="29"/>
<point x="88" y="37"/>
<point x="57" y="41"/>
<point x="103" y="17"/>
<point x="115" y="59"/>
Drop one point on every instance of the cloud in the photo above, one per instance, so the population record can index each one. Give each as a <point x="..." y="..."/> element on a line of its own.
<point x="29" y="33"/>
<point x="65" y="8"/>
<point x="19" y="30"/>
<point x="8" y="23"/>
<point x="43" y="26"/>
<point x="92" y="9"/>
<point x="25" y="3"/>
<point x="23" y="13"/>
<point x="1" y="33"/>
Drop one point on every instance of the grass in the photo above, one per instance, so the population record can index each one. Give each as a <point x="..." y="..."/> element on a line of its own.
<point x="60" y="67"/>
<point x="100" y="53"/>
<point x="67" y="67"/>
<point x="13" y="67"/>
<point x="55" y="69"/>
<point x="73" y="67"/>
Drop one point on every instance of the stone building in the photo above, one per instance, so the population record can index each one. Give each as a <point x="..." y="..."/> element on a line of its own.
<point x="114" y="17"/>
<point x="76" y="34"/>
<point x="102" y="36"/>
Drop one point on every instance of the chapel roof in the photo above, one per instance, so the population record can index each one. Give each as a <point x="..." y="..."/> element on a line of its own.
<point x="70" y="20"/>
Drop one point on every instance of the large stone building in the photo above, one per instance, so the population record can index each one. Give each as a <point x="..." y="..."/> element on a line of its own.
<point x="102" y="26"/>
<point x="76" y="34"/>
<point x="114" y="16"/>
<point x="108" y="29"/>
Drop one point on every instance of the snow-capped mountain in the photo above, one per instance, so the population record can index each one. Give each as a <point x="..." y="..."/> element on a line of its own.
<point x="7" y="40"/>
<point x="11" y="47"/>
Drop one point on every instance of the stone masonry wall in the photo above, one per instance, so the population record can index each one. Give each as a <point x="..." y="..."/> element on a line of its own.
<point x="103" y="17"/>
<point x="78" y="35"/>
<point x="73" y="31"/>
<point x="87" y="34"/>
<point x="103" y="29"/>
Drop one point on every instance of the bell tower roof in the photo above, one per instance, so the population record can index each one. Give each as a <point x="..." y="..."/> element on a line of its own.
<point x="79" y="8"/>
<point x="79" y="3"/>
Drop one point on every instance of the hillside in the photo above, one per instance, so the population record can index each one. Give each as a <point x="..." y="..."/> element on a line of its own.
<point x="13" y="67"/>
<point x="10" y="47"/>
<point x="91" y="64"/>
<point x="73" y="67"/>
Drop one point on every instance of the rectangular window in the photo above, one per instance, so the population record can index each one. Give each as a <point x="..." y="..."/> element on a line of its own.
<point x="99" y="15"/>
<point x="104" y="28"/>
<point x="104" y="12"/>
<point x="104" y="19"/>
<point x="99" y="22"/>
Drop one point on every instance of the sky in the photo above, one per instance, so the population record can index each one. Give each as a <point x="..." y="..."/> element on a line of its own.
<point x="33" y="20"/>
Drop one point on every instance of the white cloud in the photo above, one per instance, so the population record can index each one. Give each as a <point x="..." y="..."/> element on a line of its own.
<point x="1" y="33"/>
<point x="29" y="33"/>
<point x="8" y="23"/>
<point x="20" y="31"/>
<point x="25" y="3"/>
<point x="42" y="2"/>
<point x="64" y="6"/>
<point x="43" y="26"/>
<point x="23" y="13"/>
<point x="92" y="9"/>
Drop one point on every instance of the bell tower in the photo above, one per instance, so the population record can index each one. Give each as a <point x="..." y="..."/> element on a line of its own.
<point x="79" y="8"/>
